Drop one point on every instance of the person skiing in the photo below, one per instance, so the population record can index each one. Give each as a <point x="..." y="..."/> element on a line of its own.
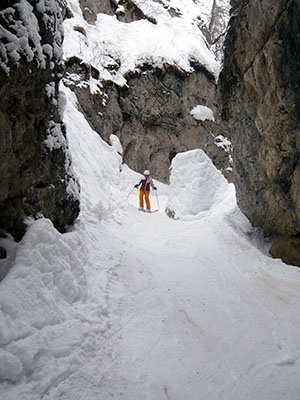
<point x="145" y="184"/>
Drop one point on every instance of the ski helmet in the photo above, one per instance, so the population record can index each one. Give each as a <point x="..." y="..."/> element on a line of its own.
<point x="146" y="172"/>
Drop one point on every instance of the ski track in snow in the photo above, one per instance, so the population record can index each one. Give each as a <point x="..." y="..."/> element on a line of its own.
<point x="135" y="306"/>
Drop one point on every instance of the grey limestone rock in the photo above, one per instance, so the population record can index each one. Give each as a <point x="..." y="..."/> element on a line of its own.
<point x="260" y="92"/>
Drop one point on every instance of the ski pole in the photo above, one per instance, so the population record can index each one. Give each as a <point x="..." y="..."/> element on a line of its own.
<point x="157" y="199"/>
<point x="131" y="191"/>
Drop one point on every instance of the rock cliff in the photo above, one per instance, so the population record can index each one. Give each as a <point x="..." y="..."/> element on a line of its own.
<point x="35" y="166"/>
<point x="150" y="111"/>
<point x="261" y="105"/>
<point x="152" y="115"/>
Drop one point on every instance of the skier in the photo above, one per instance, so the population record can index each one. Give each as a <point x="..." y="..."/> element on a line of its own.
<point x="145" y="183"/>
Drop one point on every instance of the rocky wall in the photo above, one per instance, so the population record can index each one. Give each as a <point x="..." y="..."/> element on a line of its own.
<point x="35" y="165"/>
<point x="259" y="87"/>
<point x="151" y="116"/>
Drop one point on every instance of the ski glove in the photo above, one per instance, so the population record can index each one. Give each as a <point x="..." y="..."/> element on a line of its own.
<point x="136" y="186"/>
<point x="154" y="188"/>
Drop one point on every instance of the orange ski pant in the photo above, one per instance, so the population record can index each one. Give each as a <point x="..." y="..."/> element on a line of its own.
<point x="144" y="194"/>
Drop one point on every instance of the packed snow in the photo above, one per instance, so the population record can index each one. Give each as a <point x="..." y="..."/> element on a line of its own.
<point x="129" y="305"/>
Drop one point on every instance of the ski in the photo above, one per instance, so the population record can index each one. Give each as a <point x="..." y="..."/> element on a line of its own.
<point x="147" y="212"/>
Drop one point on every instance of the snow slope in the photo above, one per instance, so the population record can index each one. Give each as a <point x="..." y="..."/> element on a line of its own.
<point x="130" y="305"/>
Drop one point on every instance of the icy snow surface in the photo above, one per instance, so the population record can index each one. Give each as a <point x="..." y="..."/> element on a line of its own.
<point x="135" y="306"/>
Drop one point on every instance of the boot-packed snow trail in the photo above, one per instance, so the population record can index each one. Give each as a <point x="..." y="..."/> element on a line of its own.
<point x="130" y="305"/>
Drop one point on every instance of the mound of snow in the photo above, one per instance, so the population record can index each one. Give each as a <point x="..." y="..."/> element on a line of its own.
<point x="196" y="186"/>
<point x="202" y="113"/>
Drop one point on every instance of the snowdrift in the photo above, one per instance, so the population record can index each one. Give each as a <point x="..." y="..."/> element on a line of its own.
<point x="196" y="186"/>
